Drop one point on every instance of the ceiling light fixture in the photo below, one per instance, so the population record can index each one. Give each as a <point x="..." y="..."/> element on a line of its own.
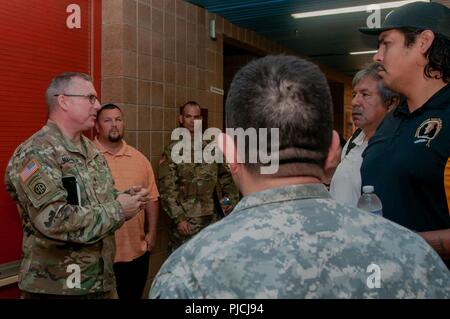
<point x="384" y="5"/>
<point x="363" y="52"/>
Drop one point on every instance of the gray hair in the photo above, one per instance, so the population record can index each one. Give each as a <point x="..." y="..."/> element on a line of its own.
<point x="371" y="71"/>
<point x="59" y="84"/>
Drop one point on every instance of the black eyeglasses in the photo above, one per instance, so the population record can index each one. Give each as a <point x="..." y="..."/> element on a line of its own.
<point x="91" y="97"/>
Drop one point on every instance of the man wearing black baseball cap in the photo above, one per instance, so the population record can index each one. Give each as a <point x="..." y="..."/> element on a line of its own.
<point x="408" y="158"/>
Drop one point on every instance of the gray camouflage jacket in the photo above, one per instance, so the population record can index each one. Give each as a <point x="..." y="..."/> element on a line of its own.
<point x="297" y="242"/>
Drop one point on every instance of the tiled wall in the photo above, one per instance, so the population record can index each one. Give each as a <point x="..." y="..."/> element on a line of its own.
<point x="156" y="55"/>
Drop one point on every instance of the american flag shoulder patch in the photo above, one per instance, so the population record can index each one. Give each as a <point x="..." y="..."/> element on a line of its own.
<point x="29" y="169"/>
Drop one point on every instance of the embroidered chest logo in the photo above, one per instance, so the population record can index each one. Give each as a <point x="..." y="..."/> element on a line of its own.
<point x="428" y="130"/>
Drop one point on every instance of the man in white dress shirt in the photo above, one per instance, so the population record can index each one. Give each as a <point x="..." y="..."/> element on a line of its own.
<point x="371" y="102"/>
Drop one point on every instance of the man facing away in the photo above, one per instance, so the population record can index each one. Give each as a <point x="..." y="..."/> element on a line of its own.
<point x="137" y="236"/>
<point x="371" y="102"/>
<point x="408" y="158"/>
<point x="66" y="199"/>
<point x="188" y="189"/>
<point x="287" y="238"/>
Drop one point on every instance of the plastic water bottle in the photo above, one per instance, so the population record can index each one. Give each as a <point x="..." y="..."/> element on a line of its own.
<point x="370" y="202"/>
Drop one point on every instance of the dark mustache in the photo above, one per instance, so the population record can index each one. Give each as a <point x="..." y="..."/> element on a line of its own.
<point x="379" y="66"/>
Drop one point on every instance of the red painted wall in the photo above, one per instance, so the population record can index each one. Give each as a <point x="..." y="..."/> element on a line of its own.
<point x="35" y="45"/>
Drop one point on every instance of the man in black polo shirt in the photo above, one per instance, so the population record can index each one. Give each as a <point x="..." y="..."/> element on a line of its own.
<point x="408" y="158"/>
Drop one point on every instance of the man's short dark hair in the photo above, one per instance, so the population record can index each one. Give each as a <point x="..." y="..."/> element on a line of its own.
<point x="190" y="103"/>
<point x="291" y="94"/>
<point x="438" y="54"/>
<point x="109" y="106"/>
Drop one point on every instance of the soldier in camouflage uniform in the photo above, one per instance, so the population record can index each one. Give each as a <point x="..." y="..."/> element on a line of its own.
<point x="288" y="238"/>
<point x="187" y="189"/>
<point x="68" y="228"/>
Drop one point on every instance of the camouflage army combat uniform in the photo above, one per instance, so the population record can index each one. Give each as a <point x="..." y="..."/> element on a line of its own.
<point x="186" y="192"/>
<point x="297" y="242"/>
<point x="58" y="237"/>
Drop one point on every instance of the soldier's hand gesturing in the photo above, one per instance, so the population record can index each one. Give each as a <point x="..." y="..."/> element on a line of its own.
<point x="132" y="204"/>
<point x="184" y="228"/>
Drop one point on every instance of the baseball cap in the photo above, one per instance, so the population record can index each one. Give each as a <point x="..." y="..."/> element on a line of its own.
<point x="421" y="15"/>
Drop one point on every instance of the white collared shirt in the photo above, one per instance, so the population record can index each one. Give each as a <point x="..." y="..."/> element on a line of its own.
<point x="345" y="185"/>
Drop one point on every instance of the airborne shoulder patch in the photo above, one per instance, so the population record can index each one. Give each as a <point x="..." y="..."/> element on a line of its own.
<point x="38" y="187"/>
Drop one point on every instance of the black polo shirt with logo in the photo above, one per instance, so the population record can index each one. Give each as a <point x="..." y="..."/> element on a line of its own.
<point x="407" y="161"/>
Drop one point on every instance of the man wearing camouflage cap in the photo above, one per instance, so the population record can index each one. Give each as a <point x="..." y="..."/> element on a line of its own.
<point x="188" y="191"/>
<point x="287" y="238"/>
<point x="66" y="198"/>
<point x="408" y="158"/>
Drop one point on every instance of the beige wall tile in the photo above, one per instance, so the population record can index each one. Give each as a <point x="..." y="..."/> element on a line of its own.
<point x="201" y="58"/>
<point x="157" y="143"/>
<point x="129" y="38"/>
<point x="181" y="51"/>
<point x="180" y="71"/>
<point x="200" y="16"/>
<point x="131" y="137"/>
<point x="129" y="12"/>
<point x="167" y="135"/>
<point x="180" y="95"/>
<point x="130" y="116"/>
<point x="210" y="101"/>
<point x="112" y="89"/>
<point x="157" y="21"/>
<point x="201" y="36"/>
<point x="169" y="24"/>
<point x="112" y="13"/>
<point x="191" y="77"/>
<point x="144" y="143"/>
<point x="191" y="55"/>
<point x="144" y="16"/>
<point x="210" y="79"/>
<point x="112" y="62"/>
<point x="170" y="116"/>
<point x="191" y="13"/>
<point x="157" y="69"/>
<point x="201" y="79"/>
<point x="129" y="91"/>
<point x="157" y="44"/>
<point x="169" y="48"/>
<point x="202" y="99"/>
<point x="144" y="41"/>
<point x="210" y="60"/>
<point x="191" y="33"/>
<point x="169" y="6"/>
<point x="180" y="8"/>
<point x="219" y="24"/>
<point x="169" y="71"/>
<point x="144" y="118"/>
<point x="159" y="4"/>
<point x="129" y="63"/>
<point x="169" y="95"/>
<point x="157" y="94"/>
<point x="157" y="119"/>
<point x="144" y="93"/>
<point x="219" y="42"/>
<point x="145" y="67"/>
<point x="191" y="94"/>
<point x="112" y="36"/>
<point x="180" y="29"/>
